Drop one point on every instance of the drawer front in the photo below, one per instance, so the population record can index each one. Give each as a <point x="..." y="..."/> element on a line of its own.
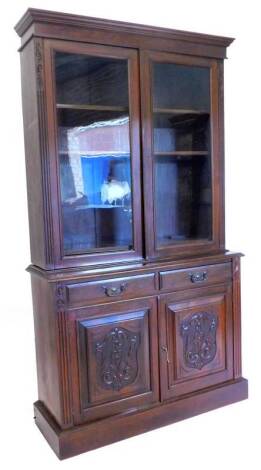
<point x="195" y="277"/>
<point x="111" y="289"/>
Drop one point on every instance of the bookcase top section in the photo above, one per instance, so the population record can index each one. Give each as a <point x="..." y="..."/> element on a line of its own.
<point x="50" y="24"/>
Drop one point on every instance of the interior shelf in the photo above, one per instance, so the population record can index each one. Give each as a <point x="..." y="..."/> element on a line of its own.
<point x="91" y="107"/>
<point x="178" y="111"/>
<point x="101" y="206"/>
<point x="183" y="153"/>
<point x="94" y="153"/>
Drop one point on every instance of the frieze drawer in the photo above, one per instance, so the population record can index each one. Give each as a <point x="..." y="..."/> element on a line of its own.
<point x="195" y="277"/>
<point x="111" y="289"/>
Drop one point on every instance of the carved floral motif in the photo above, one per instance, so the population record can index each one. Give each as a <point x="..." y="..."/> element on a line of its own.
<point x="199" y="339"/>
<point x="39" y="64"/>
<point x="117" y="358"/>
<point x="63" y="344"/>
<point x="60" y="298"/>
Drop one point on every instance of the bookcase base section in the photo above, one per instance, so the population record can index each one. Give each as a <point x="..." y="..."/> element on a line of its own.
<point x="74" y="441"/>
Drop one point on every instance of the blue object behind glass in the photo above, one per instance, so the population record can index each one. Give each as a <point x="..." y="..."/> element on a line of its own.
<point x="96" y="171"/>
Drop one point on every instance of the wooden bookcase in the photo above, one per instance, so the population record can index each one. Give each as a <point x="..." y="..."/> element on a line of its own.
<point x="136" y="299"/>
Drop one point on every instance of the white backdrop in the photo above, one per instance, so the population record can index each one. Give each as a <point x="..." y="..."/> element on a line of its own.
<point x="218" y="439"/>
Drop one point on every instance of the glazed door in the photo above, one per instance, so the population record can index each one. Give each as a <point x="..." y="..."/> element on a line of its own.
<point x="114" y="352"/>
<point x="196" y="345"/>
<point x="93" y="110"/>
<point x="182" y="159"/>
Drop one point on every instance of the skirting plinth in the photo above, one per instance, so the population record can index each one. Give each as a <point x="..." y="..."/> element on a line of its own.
<point x="85" y="437"/>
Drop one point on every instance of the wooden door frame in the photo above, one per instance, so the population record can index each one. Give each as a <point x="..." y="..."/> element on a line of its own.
<point x="217" y="156"/>
<point x="53" y="179"/>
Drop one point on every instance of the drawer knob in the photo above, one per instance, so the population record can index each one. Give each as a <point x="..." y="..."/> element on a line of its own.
<point x="199" y="276"/>
<point x="114" y="291"/>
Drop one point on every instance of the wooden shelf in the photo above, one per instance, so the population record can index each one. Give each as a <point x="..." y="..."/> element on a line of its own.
<point x="110" y="153"/>
<point x="183" y="153"/>
<point x="178" y="111"/>
<point x="94" y="153"/>
<point x="99" y="206"/>
<point x="91" y="107"/>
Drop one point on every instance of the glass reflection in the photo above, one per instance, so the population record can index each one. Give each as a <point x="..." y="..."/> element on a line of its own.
<point x="94" y="153"/>
<point x="96" y="185"/>
<point x="182" y="153"/>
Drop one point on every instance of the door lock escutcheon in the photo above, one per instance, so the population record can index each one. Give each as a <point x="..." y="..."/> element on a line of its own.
<point x="165" y="350"/>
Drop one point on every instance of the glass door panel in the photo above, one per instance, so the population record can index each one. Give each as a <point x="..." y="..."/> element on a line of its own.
<point x="181" y="153"/>
<point x="183" y="198"/>
<point x="92" y="101"/>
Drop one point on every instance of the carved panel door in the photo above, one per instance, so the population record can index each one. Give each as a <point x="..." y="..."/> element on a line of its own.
<point x="195" y="340"/>
<point x="115" y="358"/>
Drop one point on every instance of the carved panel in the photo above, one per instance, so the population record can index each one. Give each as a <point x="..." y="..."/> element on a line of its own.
<point x="117" y="358"/>
<point x="39" y="64"/>
<point x="199" y="339"/>
<point x="117" y="353"/>
<point x="196" y="333"/>
<point x="63" y="347"/>
<point x="60" y="298"/>
<point x="44" y="150"/>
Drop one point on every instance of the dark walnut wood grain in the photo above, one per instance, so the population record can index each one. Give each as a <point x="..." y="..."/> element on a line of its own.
<point x="128" y="340"/>
<point x="118" y="357"/>
<point x="107" y="290"/>
<point x="196" y="328"/>
<point x="88" y="437"/>
<point x="75" y="27"/>
<point x="195" y="277"/>
<point x="199" y="334"/>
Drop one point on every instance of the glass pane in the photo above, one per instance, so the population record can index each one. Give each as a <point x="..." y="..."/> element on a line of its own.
<point x="94" y="152"/>
<point x="181" y="132"/>
<point x="181" y="86"/>
<point x="182" y="153"/>
<point x="183" y="199"/>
